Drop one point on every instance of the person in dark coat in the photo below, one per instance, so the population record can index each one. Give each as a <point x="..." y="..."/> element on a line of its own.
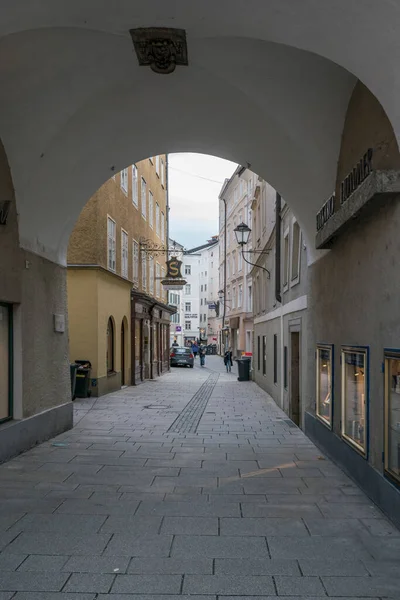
<point x="202" y="353"/>
<point x="228" y="360"/>
<point x="195" y="349"/>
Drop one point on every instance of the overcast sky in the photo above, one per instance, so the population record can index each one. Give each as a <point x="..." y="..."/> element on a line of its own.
<point x="195" y="181"/>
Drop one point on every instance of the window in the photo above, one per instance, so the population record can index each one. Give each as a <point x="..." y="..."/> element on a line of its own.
<point x="392" y="414"/>
<point x="188" y="270"/>
<point x="134" y="186"/>
<point x="324" y="384"/>
<point x="249" y="299"/>
<point x="111" y="243"/>
<point x="258" y="352"/>
<point x="144" y="272"/>
<point x="110" y="346"/>
<point x="201" y="301"/>
<point x="285" y="367"/>
<point x="201" y="317"/>
<point x="264" y="354"/>
<point x="124" y="180"/>
<point x="354" y="397"/>
<point x="228" y="267"/>
<point x="188" y="325"/>
<point x="233" y="262"/>
<point x="157" y="219"/>
<point x="162" y="226"/>
<point x="188" y="307"/>
<point x="188" y="289"/>
<point x="205" y="273"/>
<point x="240" y="261"/>
<point x="205" y="287"/>
<point x="275" y="358"/>
<point x="240" y="296"/>
<point x="234" y="297"/>
<point x="144" y="198"/>
<point x="204" y="317"/>
<point x="124" y="253"/>
<point x="296" y="252"/>
<point x="151" y="274"/>
<point x="151" y="209"/>
<point x="201" y="288"/>
<point x="162" y="172"/>
<point x="158" y="165"/>
<point x="158" y="282"/>
<point x="175" y="318"/>
<point x="135" y="261"/>
<point x="286" y="260"/>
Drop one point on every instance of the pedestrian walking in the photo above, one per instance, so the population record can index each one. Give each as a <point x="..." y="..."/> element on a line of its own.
<point x="228" y="360"/>
<point x="195" y="349"/>
<point x="202" y="352"/>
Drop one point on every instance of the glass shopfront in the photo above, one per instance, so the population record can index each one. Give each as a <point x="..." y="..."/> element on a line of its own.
<point x="6" y="362"/>
<point x="354" y="397"/>
<point x="325" y="384"/>
<point x="392" y="413"/>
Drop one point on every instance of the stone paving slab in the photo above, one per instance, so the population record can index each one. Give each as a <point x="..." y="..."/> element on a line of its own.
<point x="245" y="507"/>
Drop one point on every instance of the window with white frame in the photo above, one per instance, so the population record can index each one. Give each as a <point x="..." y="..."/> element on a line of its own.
<point x="201" y="318"/>
<point x="124" y="253"/>
<point x="240" y="295"/>
<point x="158" y="280"/>
<point x="144" y="272"/>
<point x="233" y="262"/>
<point x="144" y="197"/>
<point x="151" y="274"/>
<point x="249" y="299"/>
<point x="135" y="186"/>
<point x="151" y="209"/>
<point x="124" y="180"/>
<point x="188" y="325"/>
<point x="157" y="219"/>
<point x="188" y="289"/>
<point x="158" y="165"/>
<point x="188" y="307"/>
<point x="162" y="172"/>
<point x="162" y="226"/>
<point x="188" y="269"/>
<point x="205" y="287"/>
<point x="201" y="301"/>
<point x="286" y="259"/>
<point x="296" y="241"/>
<point x="135" y="261"/>
<point x="111" y="244"/>
<point x="234" y="297"/>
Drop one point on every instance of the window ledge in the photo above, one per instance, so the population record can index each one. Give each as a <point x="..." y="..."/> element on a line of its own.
<point x="111" y="373"/>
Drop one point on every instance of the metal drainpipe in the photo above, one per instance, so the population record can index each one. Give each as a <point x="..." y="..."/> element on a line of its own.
<point x="278" y="220"/>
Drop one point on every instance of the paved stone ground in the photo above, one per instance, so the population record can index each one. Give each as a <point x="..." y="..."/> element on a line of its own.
<point x="244" y="507"/>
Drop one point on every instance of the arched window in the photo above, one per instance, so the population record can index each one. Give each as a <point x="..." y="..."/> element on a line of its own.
<point x="110" y="345"/>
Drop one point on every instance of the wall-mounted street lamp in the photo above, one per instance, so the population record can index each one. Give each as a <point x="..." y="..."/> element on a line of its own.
<point x="242" y="233"/>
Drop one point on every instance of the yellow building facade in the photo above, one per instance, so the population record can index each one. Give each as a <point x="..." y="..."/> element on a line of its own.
<point x="113" y="269"/>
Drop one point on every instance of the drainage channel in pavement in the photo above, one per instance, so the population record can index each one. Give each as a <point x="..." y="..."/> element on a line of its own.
<point x="188" y="420"/>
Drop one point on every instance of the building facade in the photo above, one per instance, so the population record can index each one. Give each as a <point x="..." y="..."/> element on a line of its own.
<point x="280" y="302"/>
<point x="118" y="312"/>
<point x="176" y="299"/>
<point x="235" y="310"/>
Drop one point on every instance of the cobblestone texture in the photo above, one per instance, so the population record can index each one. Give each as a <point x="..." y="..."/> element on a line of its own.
<point x="129" y="506"/>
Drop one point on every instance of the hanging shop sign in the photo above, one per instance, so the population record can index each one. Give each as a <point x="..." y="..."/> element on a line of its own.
<point x="178" y="328"/>
<point x="174" y="268"/>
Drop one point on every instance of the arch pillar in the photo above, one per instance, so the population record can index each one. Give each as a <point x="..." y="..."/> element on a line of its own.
<point x="33" y="292"/>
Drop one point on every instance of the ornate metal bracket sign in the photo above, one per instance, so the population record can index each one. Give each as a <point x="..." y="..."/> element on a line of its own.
<point x="174" y="268"/>
<point x="160" y="48"/>
<point x="4" y="210"/>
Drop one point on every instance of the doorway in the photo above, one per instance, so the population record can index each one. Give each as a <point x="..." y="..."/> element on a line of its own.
<point x="294" y="402"/>
<point x="123" y="382"/>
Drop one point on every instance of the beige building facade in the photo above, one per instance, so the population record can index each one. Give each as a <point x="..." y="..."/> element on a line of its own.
<point x="116" y="260"/>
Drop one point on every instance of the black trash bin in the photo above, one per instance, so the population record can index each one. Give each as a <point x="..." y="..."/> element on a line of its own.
<point x="244" y="368"/>
<point x="73" y="367"/>
<point x="82" y="387"/>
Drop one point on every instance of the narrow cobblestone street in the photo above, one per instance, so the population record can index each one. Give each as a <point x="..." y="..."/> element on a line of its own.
<point x="193" y="485"/>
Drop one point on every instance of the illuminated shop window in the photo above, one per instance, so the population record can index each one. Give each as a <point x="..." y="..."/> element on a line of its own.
<point x="354" y="397"/>
<point x="325" y="384"/>
<point x="392" y="413"/>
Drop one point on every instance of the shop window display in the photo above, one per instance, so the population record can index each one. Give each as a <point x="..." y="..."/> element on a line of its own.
<point x="354" y="397"/>
<point x="325" y="383"/>
<point x="392" y="414"/>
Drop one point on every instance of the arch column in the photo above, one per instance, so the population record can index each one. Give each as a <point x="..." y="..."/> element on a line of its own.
<point x="34" y="290"/>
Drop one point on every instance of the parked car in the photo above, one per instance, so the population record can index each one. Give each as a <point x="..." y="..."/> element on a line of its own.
<point x="181" y="357"/>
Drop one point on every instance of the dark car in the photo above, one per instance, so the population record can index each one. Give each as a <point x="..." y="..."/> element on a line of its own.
<point x="181" y="357"/>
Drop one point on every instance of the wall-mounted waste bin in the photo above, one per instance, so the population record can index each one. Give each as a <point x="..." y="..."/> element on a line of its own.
<point x="244" y="368"/>
<point x="73" y="367"/>
<point x="82" y="387"/>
